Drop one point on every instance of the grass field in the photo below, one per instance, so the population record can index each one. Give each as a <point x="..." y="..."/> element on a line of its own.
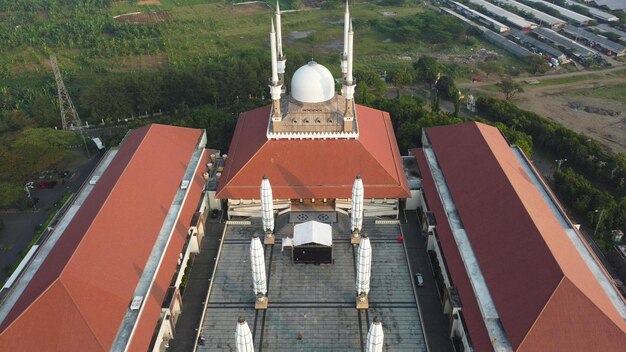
<point x="570" y="79"/>
<point x="197" y="31"/>
<point x="610" y="92"/>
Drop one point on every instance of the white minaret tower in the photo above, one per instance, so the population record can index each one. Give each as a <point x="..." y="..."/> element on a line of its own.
<point x="344" y="53"/>
<point x="348" y="85"/>
<point x="275" y="85"/>
<point x="282" y="60"/>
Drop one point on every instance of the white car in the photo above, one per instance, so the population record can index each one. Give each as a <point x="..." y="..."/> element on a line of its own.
<point x="419" y="279"/>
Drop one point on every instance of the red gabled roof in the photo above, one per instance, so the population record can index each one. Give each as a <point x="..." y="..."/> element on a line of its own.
<point x="313" y="168"/>
<point x="471" y="312"/>
<point x="77" y="300"/>
<point x="522" y="249"/>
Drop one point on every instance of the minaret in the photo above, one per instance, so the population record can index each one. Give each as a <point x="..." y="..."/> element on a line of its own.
<point x="282" y="60"/>
<point x="275" y="86"/>
<point x="344" y="54"/>
<point x="348" y="85"/>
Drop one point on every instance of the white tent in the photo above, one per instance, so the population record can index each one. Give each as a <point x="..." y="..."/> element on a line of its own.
<point x="312" y="232"/>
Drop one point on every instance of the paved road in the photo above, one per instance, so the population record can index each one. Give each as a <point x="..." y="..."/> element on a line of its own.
<point x="20" y="227"/>
<point x="435" y="322"/>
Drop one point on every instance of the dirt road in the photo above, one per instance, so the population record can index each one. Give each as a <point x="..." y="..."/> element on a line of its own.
<point x="601" y="119"/>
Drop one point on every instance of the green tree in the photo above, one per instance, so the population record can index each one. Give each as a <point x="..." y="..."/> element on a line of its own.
<point x="9" y="195"/>
<point x="436" y="102"/>
<point x="32" y="151"/>
<point x="491" y="67"/>
<point x="509" y="88"/>
<point x="45" y="112"/>
<point x="457" y="105"/>
<point x="446" y="87"/>
<point x="428" y="69"/>
<point x="537" y="64"/>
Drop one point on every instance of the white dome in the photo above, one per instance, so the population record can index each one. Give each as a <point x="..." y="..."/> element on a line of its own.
<point x="312" y="83"/>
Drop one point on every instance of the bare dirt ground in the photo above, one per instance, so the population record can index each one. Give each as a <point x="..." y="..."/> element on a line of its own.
<point x="149" y="2"/>
<point x="143" y="17"/>
<point x="601" y="119"/>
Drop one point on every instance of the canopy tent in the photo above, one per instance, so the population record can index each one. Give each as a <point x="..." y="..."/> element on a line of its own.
<point x="312" y="232"/>
<point x="312" y="243"/>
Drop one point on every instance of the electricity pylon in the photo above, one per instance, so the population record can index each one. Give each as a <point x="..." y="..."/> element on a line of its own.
<point x="69" y="116"/>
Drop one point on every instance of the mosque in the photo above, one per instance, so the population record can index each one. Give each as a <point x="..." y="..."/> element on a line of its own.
<point x="312" y="143"/>
<point x="507" y="263"/>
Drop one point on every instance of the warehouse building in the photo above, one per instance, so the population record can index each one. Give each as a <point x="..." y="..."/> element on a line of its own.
<point x="577" y="18"/>
<point x="606" y="46"/>
<point x="514" y="272"/>
<point x="108" y="277"/>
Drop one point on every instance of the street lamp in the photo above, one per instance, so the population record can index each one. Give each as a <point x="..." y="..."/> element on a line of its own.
<point x="559" y="162"/>
<point x="598" y="223"/>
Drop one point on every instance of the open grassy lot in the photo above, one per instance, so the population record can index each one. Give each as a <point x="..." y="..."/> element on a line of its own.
<point x="615" y="92"/>
<point x="193" y="31"/>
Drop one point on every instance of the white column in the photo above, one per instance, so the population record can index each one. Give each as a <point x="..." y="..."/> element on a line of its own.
<point x="257" y="259"/>
<point x="243" y="336"/>
<point x="375" y="336"/>
<point x="267" y="205"/>
<point x="356" y="215"/>
<point x="364" y="266"/>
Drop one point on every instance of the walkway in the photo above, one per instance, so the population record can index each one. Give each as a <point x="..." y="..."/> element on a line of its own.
<point x="197" y="288"/>
<point x="435" y="322"/>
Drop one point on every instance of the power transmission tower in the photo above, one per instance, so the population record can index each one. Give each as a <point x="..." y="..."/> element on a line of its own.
<point x="69" y="116"/>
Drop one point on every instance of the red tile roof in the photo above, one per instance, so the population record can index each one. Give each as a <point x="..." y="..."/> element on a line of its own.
<point x="77" y="300"/>
<point x="471" y="312"/>
<point x="314" y="168"/>
<point x="534" y="273"/>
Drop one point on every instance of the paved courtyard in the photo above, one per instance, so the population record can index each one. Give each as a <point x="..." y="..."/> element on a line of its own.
<point x="312" y="307"/>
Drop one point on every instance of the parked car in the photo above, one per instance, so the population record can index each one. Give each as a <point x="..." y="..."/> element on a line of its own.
<point x="47" y="184"/>
<point x="419" y="279"/>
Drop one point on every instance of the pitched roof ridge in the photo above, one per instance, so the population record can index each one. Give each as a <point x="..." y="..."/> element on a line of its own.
<point x="26" y="308"/>
<point x="386" y="117"/>
<point x="556" y="289"/>
<point x="397" y="162"/>
<point x="115" y="185"/>
<point x="237" y="138"/>
<point x="593" y="301"/>
<point x="80" y="313"/>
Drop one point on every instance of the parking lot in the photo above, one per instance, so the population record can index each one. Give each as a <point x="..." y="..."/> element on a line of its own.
<point x="20" y="226"/>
